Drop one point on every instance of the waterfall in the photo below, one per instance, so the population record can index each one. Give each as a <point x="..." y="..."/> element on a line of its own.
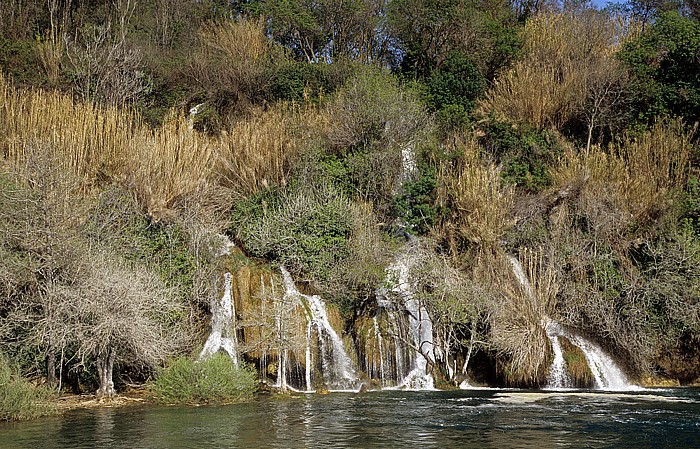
<point x="380" y="349"/>
<point x="420" y="327"/>
<point x="558" y="373"/>
<point x="337" y="367"/>
<point x="223" y="325"/>
<point x="522" y="277"/>
<point x="607" y="374"/>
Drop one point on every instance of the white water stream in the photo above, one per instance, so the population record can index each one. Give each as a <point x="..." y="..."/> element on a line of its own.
<point x="337" y="367"/>
<point x="223" y="325"/>
<point x="420" y="327"/>
<point x="558" y="373"/>
<point x="607" y="374"/>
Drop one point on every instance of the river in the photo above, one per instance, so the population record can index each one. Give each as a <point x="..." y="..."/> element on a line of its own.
<point x="416" y="419"/>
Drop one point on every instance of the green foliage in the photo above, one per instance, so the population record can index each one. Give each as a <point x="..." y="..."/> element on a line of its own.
<point x="416" y="203"/>
<point x="214" y="380"/>
<point x="672" y="291"/>
<point x="305" y="230"/>
<point x="607" y="276"/>
<point x="373" y="109"/>
<point x="691" y="204"/>
<point x="300" y="81"/>
<point x="18" y="58"/>
<point x="19" y="399"/>
<point x="457" y="82"/>
<point x="666" y="69"/>
<point x="525" y="153"/>
<point x="453" y="89"/>
<point x="297" y="25"/>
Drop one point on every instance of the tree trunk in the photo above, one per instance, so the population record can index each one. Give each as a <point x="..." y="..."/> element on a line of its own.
<point x="105" y="365"/>
<point x="51" y="368"/>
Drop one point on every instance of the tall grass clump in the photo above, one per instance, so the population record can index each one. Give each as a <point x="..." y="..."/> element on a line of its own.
<point x="214" y="380"/>
<point x="553" y="81"/>
<point x="88" y="140"/>
<point x="20" y="399"/>
<point x="258" y="152"/>
<point x="479" y="206"/>
<point x="103" y="145"/>
<point x="169" y="163"/>
<point x="232" y="62"/>
<point x="633" y="182"/>
<point x="518" y="319"/>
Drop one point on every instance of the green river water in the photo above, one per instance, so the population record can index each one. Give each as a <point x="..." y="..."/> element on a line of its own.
<point x="415" y="419"/>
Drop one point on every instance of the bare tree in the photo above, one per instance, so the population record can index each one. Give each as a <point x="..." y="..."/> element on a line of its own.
<point x="606" y="84"/>
<point x="74" y="296"/>
<point x="104" y="66"/>
<point x="115" y="312"/>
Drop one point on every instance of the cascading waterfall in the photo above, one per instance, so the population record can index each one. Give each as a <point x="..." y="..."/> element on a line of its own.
<point x="607" y="374"/>
<point x="337" y="367"/>
<point x="558" y="373"/>
<point x="381" y="371"/>
<point x="223" y="326"/>
<point x="419" y="325"/>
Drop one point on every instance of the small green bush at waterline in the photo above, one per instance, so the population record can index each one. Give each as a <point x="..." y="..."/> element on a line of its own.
<point x="20" y="399"/>
<point x="214" y="380"/>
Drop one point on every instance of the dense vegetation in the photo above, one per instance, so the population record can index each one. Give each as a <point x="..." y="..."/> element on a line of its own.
<point x="320" y="135"/>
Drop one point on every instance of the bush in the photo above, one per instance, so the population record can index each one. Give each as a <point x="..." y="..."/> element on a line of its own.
<point x="525" y="153"/>
<point x="665" y="66"/>
<point x="302" y="81"/>
<point x="372" y="109"/>
<point x="307" y="231"/>
<point x="318" y="233"/>
<point x="214" y="380"/>
<point x="416" y="203"/>
<point x="118" y="222"/>
<point x="457" y="82"/>
<point x="20" y="399"/>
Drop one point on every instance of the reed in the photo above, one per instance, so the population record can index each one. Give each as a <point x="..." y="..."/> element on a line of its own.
<point x="517" y="320"/>
<point x="551" y="83"/>
<point x="51" y="50"/>
<point x="479" y="206"/>
<point x="170" y="163"/>
<point x="87" y="140"/>
<point x="635" y="177"/>
<point x="242" y="41"/>
<point x="256" y="153"/>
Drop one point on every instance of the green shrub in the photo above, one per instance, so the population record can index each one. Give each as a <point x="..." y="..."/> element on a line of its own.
<point x="118" y="222"/>
<point x="214" y="380"/>
<point x="416" y="203"/>
<point x="20" y="399"/>
<point x="525" y="153"/>
<point x="457" y="82"/>
<point x="301" y="81"/>
<point x="306" y="230"/>
<point x="665" y="66"/>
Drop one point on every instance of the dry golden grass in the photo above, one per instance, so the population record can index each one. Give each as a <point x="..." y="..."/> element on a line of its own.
<point x="51" y="50"/>
<point x="87" y="140"/>
<point x="635" y="178"/>
<point x="255" y="153"/>
<point x="242" y="42"/>
<point x="479" y="205"/>
<point x="517" y="329"/>
<point x="232" y="56"/>
<point x="169" y="163"/>
<point x="162" y="166"/>
<point x="552" y="82"/>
